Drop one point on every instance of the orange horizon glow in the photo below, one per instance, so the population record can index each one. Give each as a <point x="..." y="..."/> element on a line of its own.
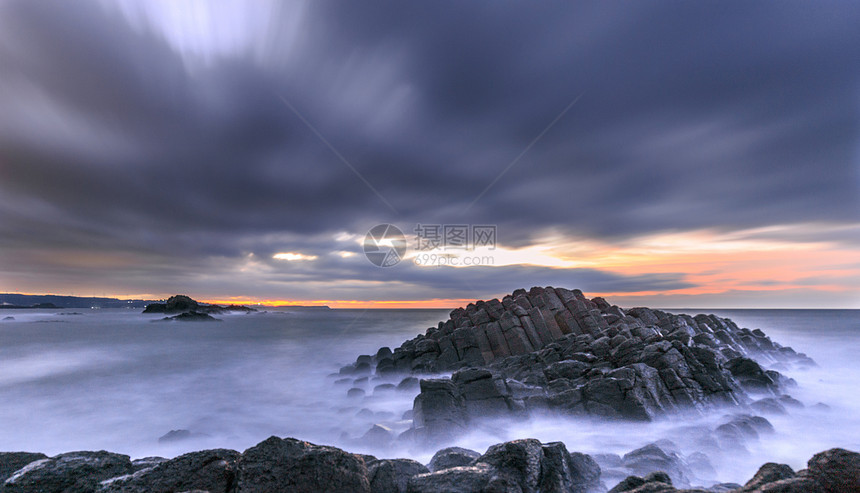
<point x="711" y="263"/>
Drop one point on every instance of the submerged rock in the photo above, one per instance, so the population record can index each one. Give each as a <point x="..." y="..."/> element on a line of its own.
<point x="179" y="436"/>
<point x="192" y="317"/>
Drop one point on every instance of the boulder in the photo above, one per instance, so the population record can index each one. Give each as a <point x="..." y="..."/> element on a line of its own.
<point x="207" y="470"/>
<point x="452" y="457"/>
<point x="835" y="470"/>
<point x="288" y="464"/>
<point x="378" y="436"/>
<point x="392" y="475"/>
<point x="72" y="472"/>
<point x="768" y="473"/>
<point x="518" y="460"/>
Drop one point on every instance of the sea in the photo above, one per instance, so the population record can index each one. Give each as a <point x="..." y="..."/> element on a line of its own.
<point x="120" y="380"/>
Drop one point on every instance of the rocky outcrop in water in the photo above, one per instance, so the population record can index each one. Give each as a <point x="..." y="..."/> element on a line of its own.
<point x="276" y="464"/>
<point x="554" y="349"/>
<point x="184" y="304"/>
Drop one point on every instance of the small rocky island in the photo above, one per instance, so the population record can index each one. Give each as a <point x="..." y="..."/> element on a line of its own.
<point x="185" y="309"/>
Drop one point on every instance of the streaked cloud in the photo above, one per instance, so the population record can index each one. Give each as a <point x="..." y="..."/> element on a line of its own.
<point x="714" y="153"/>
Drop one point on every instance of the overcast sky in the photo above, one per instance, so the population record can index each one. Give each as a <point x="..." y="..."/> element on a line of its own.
<point x="700" y="154"/>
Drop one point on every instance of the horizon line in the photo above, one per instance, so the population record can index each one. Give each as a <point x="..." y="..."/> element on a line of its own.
<point x="427" y="304"/>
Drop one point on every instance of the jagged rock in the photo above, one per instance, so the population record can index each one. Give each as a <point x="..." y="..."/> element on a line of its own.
<point x="208" y="470"/>
<point x="392" y="476"/>
<point x="562" y="472"/>
<point x="13" y="461"/>
<point x="452" y="457"/>
<point x="300" y="467"/>
<point x="79" y="472"/>
<point x="750" y="374"/>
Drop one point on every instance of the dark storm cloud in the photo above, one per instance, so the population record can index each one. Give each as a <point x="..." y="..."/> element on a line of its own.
<point x="692" y="115"/>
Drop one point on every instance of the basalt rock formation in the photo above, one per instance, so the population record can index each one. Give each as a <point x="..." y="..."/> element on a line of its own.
<point x="554" y="349"/>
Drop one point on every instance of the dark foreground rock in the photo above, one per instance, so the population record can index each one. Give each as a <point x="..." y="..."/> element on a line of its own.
<point x="276" y="465"/>
<point x="832" y="471"/>
<point x="78" y="472"/>
<point x="392" y="475"/>
<point x="554" y="349"/>
<point x="209" y="470"/>
<point x="517" y="466"/>
<point x="288" y="464"/>
<point x="13" y="461"/>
